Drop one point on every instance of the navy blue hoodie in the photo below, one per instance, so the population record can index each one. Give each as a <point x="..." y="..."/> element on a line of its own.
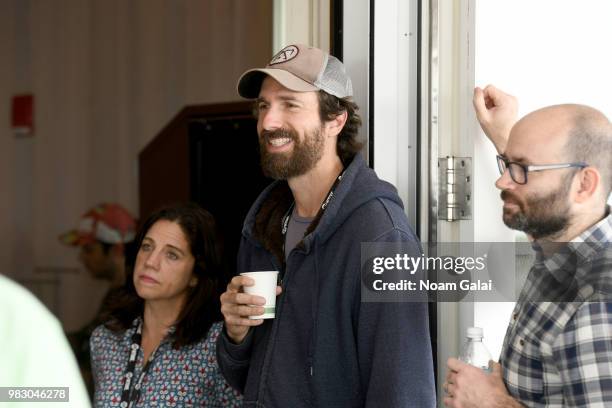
<point x="326" y="348"/>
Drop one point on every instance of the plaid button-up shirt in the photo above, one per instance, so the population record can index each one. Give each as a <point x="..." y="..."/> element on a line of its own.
<point x="558" y="346"/>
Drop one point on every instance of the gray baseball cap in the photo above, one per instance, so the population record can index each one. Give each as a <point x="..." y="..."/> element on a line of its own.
<point x="300" y="68"/>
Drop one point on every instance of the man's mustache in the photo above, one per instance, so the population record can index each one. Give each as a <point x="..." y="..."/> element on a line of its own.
<point x="509" y="197"/>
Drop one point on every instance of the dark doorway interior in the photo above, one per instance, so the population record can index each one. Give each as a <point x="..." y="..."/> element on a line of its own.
<point x="226" y="177"/>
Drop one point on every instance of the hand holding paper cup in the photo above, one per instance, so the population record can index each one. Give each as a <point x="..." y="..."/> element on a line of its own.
<point x="264" y="286"/>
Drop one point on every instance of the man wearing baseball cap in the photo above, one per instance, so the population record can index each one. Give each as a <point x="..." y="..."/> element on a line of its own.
<point x="102" y="235"/>
<point x="325" y="347"/>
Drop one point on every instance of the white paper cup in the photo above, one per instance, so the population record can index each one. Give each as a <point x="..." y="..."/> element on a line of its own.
<point x="265" y="286"/>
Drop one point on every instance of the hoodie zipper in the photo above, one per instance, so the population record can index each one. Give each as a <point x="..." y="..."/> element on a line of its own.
<point x="272" y="341"/>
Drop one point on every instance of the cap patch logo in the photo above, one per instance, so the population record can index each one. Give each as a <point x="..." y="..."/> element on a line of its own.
<point x="286" y="54"/>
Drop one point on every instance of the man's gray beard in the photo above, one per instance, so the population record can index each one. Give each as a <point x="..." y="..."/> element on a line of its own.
<point x="305" y="155"/>
<point x="538" y="228"/>
<point x="549" y="215"/>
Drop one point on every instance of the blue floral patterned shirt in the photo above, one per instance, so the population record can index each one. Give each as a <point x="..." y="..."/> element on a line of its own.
<point x="187" y="377"/>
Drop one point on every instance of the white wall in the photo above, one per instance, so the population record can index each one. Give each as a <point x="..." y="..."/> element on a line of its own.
<point x="395" y="98"/>
<point x="303" y="22"/>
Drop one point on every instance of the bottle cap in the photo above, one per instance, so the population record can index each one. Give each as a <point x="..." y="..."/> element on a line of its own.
<point x="474" y="332"/>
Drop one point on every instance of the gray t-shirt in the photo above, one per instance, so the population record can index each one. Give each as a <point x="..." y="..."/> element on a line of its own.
<point x="295" y="231"/>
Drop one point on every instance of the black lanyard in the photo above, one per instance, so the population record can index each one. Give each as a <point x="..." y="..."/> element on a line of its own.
<point x="285" y="222"/>
<point x="131" y="396"/>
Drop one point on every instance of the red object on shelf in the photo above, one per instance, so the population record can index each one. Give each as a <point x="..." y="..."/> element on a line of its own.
<point x="23" y="115"/>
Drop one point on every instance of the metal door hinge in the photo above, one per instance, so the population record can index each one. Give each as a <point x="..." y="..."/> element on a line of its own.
<point x="455" y="188"/>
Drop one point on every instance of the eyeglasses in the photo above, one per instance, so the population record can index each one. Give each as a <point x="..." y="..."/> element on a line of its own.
<point x="518" y="171"/>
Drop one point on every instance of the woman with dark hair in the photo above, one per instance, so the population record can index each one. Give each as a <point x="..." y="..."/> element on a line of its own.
<point x="157" y="347"/>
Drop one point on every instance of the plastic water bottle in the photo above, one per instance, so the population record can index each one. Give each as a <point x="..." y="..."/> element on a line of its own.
<point x="474" y="351"/>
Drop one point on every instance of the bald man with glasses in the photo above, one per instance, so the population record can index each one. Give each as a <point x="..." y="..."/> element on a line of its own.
<point x="555" y="169"/>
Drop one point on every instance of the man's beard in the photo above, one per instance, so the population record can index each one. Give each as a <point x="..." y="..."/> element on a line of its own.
<point x="304" y="156"/>
<point x="547" y="215"/>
